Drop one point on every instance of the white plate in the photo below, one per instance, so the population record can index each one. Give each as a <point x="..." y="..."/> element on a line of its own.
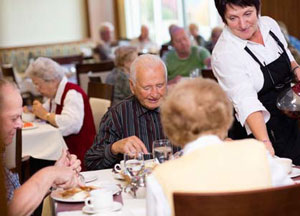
<point x="31" y="127"/>
<point x="116" y="207"/>
<point x="295" y="172"/>
<point x="88" y="177"/>
<point x="81" y="196"/>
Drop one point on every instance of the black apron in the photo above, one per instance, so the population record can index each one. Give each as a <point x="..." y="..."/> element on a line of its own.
<point x="283" y="131"/>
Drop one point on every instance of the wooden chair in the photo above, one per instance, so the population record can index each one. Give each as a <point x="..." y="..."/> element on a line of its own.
<point x="84" y="71"/>
<point x="8" y="73"/>
<point x="100" y="90"/>
<point x="72" y="59"/>
<point x="272" y="201"/>
<point x="208" y="73"/>
<point x="99" y="107"/>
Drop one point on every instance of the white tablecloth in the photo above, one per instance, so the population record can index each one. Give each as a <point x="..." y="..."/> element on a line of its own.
<point x="44" y="142"/>
<point x="131" y="207"/>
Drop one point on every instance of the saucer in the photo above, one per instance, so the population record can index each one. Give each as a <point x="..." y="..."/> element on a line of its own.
<point x="115" y="207"/>
<point x="295" y="172"/>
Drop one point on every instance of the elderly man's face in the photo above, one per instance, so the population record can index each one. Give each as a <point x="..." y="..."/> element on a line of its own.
<point x="182" y="43"/>
<point x="106" y="35"/>
<point x="150" y="86"/>
<point x="10" y="114"/>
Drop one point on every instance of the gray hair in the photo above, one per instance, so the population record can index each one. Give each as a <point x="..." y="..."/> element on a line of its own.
<point x="106" y="25"/>
<point x="147" y="61"/>
<point x="45" y="69"/>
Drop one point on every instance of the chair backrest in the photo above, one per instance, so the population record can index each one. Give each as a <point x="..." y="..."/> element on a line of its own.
<point x="8" y="73"/>
<point x="272" y="201"/>
<point x="71" y="59"/>
<point x="13" y="153"/>
<point x="208" y="73"/>
<point x="84" y="71"/>
<point x="99" y="108"/>
<point x="101" y="90"/>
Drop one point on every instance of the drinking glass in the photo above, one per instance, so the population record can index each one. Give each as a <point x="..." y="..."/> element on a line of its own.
<point x="134" y="168"/>
<point x="195" y="73"/>
<point x="134" y="165"/>
<point x="162" y="150"/>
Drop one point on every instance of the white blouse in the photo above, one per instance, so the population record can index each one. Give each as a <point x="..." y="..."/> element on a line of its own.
<point x="237" y="72"/>
<point x="71" y="118"/>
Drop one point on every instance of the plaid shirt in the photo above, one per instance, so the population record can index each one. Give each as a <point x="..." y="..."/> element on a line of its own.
<point x="11" y="182"/>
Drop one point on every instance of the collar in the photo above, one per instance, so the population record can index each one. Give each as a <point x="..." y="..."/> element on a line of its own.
<point x="143" y="110"/>
<point x="201" y="142"/>
<point x="60" y="90"/>
<point x="264" y="29"/>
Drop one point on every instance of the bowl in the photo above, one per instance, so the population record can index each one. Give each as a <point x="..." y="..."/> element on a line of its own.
<point x="28" y="117"/>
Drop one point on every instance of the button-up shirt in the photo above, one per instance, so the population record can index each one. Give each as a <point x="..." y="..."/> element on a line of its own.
<point x="128" y="118"/>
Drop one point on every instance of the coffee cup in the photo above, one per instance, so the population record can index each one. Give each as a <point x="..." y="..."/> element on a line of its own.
<point x="100" y="199"/>
<point x="286" y="163"/>
<point x="119" y="167"/>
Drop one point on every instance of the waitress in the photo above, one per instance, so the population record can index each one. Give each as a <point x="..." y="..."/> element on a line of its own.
<point x="253" y="65"/>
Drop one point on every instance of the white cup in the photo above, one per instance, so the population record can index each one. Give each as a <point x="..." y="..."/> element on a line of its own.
<point x="119" y="167"/>
<point x="28" y="117"/>
<point x="286" y="163"/>
<point x="100" y="199"/>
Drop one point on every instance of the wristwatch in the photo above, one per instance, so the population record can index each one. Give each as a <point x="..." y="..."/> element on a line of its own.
<point x="48" y="116"/>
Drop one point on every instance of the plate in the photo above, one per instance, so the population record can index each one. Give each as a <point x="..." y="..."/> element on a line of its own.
<point x="88" y="177"/>
<point x="295" y="172"/>
<point x="78" y="197"/>
<point x="116" y="207"/>
<point x="81" y="196"/>
<point x="30" y="127"/>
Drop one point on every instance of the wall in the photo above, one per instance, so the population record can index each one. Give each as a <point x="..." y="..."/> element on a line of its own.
<point x="286" y="11"/>
<point x="33" y="22"/>
<point x="100" y="11"/>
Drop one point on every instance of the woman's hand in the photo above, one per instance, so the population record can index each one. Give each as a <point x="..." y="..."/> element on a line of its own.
<point x="39" y="110"/>
<point x="269" y="147"/>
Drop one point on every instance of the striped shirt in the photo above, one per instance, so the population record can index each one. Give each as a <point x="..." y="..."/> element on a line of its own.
<point x="128" y="118"/>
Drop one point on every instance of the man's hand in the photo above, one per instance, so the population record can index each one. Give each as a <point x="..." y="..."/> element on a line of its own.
<point x="39" y="110"/>
<point x="68" y="160"/>
<point x="129" y="145"/>
<point x="65" y="177"/>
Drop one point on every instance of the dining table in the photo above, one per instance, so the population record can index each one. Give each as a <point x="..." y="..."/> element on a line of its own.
<point x="42" y="141"/>
<point x="130" y="206"/>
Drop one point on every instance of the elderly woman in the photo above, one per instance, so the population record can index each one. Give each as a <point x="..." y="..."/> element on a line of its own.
<point x="196" y="116"/>
<point x="253" y="64"/>
<point x="67" y="106"/>
<point x="125" y="55"/>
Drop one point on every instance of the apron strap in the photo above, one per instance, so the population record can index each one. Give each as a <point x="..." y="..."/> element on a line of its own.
<point x="253" y="56"/>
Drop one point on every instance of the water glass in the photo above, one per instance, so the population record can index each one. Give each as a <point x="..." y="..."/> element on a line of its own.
<point x="162" y="150"/>
<point x="195" y="73"/>
<point x="134" y="164"/>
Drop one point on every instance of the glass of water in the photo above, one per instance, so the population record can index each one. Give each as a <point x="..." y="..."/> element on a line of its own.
<point x="134" y="164"/>
<point x="162" y="150"/>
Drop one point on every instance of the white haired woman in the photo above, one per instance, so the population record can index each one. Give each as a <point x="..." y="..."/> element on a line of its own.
<point x="67" y="106"/>
<point x="196" y="116"/>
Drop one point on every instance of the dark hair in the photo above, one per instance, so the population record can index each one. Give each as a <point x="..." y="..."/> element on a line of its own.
<point x="221" y="5"/>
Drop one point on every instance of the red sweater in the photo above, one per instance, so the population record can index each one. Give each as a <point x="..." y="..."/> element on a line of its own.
<point x="79" y="143"/>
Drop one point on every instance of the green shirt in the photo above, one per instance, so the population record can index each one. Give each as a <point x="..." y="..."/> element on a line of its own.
<point x="183" y="67"/>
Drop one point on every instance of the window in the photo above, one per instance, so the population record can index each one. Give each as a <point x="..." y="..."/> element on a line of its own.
<point x="159" y="14"/>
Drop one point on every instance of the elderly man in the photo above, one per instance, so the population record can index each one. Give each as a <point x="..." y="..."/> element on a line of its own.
<point x="22" y="200"/>
<point x="103" y="50"/>
<point x="133" y="124"/>
<point x="184" y="58"/>
<point x="143" y="43"/>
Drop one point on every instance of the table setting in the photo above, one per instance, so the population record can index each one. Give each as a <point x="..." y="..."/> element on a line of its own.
<point x="40" y="140"/>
